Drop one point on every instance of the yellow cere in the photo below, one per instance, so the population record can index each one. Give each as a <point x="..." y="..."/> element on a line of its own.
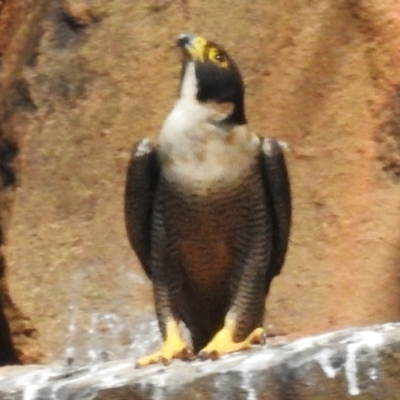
<point x="197" y="50"/>
<point x="217" y="57"/>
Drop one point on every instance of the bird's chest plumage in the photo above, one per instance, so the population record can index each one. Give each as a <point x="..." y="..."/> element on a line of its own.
<point x="200" y="155"/>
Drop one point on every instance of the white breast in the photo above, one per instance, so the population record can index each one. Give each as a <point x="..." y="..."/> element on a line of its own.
<point x="198" y="153"/>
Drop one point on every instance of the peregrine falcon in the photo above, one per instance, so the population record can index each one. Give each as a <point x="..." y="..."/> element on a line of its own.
<point x="208" y="212"/>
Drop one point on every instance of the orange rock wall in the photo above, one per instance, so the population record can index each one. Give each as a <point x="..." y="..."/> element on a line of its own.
<point x="321" y="75"/>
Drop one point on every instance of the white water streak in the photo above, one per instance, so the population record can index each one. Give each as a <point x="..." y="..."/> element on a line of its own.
<point x="367" y="340"/>
<point x="247" y="386"/>
<point x="31" y="392"/>
<point x="325" y="363"/>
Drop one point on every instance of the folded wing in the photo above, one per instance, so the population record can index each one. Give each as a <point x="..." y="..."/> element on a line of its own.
<point x="277" y="188"/>
<point x="141" y="184"/>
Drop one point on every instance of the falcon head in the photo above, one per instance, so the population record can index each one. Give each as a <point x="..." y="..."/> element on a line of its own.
<point x="216" y="77"/>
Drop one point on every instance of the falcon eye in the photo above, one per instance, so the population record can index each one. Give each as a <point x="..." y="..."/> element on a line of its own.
<point x="217" y="57"/>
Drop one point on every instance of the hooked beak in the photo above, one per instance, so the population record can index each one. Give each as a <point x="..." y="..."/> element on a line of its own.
<point x="192" y="46"/>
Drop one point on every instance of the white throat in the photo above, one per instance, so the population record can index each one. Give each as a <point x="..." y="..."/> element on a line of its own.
<point x="189" y="121"/>
<point x="189" y="83"/>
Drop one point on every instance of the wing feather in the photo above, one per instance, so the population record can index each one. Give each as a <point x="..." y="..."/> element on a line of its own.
<point x="277" y="189"/>
<point x="141" y="182"/>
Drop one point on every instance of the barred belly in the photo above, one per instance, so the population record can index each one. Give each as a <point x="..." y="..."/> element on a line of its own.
<point x="203" y="231"/>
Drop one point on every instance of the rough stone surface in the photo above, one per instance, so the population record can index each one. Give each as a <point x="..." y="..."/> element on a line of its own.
<point x="96" y="75"/>
<point x="19" y="33"/>
<point x="352" y="364"/>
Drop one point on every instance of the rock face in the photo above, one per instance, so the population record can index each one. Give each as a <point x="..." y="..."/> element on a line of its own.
<point x="80" y="81"/>
<point x="356" y="363"/>
<point x="19" y="33"/>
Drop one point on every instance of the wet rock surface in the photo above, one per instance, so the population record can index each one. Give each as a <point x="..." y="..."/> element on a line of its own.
<point x="361" y="363"/>
<point x="91" y="77"/>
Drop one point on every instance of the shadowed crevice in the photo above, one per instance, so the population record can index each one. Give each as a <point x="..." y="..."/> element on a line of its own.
<point x="8" y="353"/>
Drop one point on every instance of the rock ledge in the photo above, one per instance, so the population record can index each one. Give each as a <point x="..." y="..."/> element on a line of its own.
<point x="360" y="362"/>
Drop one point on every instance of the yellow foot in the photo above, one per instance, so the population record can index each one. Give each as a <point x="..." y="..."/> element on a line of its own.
<point x="173" y="347"/>
<point x="165" y="355"/>
<point x="222" y="343"/>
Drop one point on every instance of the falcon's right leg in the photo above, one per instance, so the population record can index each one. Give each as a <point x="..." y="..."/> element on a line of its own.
<point x="173" y="347"/>
<point x="165" y="294"/>
<point x="166" y="282"/>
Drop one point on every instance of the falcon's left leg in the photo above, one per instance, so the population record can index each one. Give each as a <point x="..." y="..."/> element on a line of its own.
<point x="249" y="287"/>
<point x="223" y="342"/>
